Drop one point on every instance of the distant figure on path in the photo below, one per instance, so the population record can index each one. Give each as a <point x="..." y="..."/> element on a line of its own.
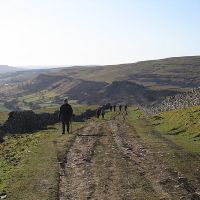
<point x="98" y="112"/>
<point x="65" y="115"/>
<point x="102" y="113"/>
<point x="125" y="108"/>
<point x="120" y="108"/>
<point x="114" y="107"/>
<point x="111" y="108"/>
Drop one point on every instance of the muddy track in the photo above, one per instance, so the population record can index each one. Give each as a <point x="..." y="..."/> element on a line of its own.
<point x="107" y="160"/>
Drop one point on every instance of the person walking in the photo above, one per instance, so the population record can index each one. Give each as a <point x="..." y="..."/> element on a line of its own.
<point x="111" y="108"/>
<point x="65" y="115"/>
<point x="102" y="113"/>
<point x="120" y="108"/>
<point x="126" y="108"/>
<point x="114" y="107"/>
<point x="98" y="112"/>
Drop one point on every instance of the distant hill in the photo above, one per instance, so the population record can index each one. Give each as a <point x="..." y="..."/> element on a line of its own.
<point x="171" y="73"/>
<point x="141" y="82"/>
<point x="7" y="69"/>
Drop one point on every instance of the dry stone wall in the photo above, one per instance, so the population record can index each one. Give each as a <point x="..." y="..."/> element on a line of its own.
<point x="28" y="121"/>
<point x="184" y="100"/>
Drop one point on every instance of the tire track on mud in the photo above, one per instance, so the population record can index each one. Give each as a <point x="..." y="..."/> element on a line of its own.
<point x="163" y="179"/>
<point x="108" y="160"/>
<point x="75" y="177"/>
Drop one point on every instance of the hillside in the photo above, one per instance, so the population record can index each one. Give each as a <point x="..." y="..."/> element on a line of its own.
<point x="177" y="72"/>
<point x="171" y="73"/>
<point x="117" y="92"/>
<point x="142" y="82"/>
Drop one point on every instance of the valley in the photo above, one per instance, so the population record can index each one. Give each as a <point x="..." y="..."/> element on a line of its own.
<point x="137" y="83"/>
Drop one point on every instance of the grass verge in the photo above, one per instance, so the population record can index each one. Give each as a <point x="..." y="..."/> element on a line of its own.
<point x="178" y="152"/>
<point x="29" y="165"/>
<point x="29" y="162"/>
<point x="182" y="126"/>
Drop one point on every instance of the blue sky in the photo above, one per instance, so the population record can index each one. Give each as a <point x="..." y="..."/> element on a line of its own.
<point x="86" y="32"/>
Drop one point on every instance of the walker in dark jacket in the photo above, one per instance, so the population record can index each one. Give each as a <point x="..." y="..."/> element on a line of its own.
<point x="65" y="115"/>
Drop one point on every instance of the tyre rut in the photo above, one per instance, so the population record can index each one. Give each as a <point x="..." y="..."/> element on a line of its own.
<point x="164" y="183"/>
<point x="109" y="161"/>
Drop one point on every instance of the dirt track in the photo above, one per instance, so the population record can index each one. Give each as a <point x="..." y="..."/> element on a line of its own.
<point x="108" y="160"/>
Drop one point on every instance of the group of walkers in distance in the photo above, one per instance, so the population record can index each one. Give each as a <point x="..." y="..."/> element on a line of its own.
<point x="101" y="112"/>
<point x="66" y="112"/>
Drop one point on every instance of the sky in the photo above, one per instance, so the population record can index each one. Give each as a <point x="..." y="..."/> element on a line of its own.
<point x="96" y="32"/>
